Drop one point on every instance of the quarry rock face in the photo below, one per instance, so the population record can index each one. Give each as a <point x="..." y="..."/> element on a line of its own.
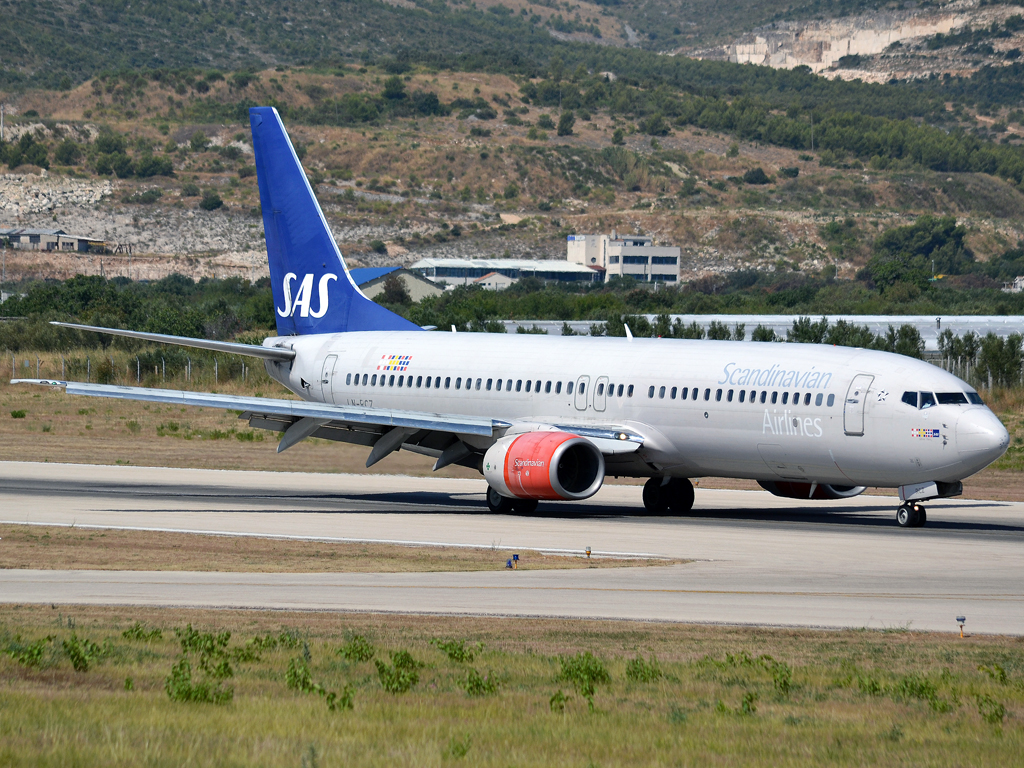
<point x="24" y="194"/>
<point x="821" y="44"/>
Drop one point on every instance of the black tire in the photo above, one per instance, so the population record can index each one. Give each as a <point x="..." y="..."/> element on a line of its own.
<point x="904" y="516"/>
<point x="921" y="518"/>
<point x="655" y="496"/>
<point x="524" y="506"/>
<point x="680" y="495"/>
<point x="498" y="504"/>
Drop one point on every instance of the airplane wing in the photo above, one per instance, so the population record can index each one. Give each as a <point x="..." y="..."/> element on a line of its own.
<point x="450" y="438"/>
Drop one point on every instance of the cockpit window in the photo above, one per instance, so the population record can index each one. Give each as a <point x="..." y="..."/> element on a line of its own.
<point x="910" y="398"/>
<point x="975" y="398"/>
<point x="927" y="400"/>
<point x="951" y="398"/>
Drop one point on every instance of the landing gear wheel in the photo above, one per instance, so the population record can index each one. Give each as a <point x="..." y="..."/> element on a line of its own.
<point x="498" y="504"/>
<point x="680" y="495"/>
<point x="910" y="515"/>
<point x="655" y="496"/>
<point x="524" y="506"/>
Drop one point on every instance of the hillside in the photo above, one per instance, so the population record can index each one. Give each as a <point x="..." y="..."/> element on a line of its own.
<point x="455" y="163"/>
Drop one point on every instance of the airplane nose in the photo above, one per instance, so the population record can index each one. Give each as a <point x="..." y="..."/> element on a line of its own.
<point x="980" y="435"/>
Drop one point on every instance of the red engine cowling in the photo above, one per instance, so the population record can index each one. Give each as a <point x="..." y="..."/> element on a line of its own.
<point x="544" y="465"/>
<point x="821" y="491"/>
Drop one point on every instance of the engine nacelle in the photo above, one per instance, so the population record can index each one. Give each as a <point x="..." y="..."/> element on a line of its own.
<point x="544" y="465"/>
<point x="821" y="491"/>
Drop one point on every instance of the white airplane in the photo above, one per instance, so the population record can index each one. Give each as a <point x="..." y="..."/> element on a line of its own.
<point x="548" y="418"/>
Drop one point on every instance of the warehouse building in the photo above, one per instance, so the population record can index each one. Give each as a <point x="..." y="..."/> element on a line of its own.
<point x="634" y="256"/>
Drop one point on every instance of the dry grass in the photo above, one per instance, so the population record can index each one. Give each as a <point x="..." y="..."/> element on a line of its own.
<point x="24" y="546"/>
<point x="691" y="715"/>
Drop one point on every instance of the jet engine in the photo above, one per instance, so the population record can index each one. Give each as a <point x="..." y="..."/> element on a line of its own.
<point x="819" y="491"/>
<point x="544" y="465"/>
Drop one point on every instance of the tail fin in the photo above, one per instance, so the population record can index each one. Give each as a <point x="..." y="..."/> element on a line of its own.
<point x="313" y="291"/>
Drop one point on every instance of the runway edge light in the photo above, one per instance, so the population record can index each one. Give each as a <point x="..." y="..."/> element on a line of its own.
<point x="961" y="620"/>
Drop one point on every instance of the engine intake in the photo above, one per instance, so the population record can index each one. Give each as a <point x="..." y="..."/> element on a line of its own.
<point x="544" y="465"/>
<point x="821" y="491"/>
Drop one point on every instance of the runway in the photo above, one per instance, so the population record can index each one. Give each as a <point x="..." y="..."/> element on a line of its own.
<point x="755" y="558"/>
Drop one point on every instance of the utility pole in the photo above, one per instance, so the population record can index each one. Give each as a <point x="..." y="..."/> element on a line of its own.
<point x="3" y="108"/>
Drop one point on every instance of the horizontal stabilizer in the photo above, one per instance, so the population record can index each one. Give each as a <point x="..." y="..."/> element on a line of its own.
<point x="230" y="347"/>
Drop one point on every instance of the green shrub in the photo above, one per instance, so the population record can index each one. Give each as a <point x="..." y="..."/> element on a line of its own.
<point x="81" y="652"/>
<point x="640" y="671"/>
<point x="455" y="650"/>
<point x="138" y="631"/>
<point x="584" y="671"/>
<point x="18" y="414"/>
<point x="756" y="176"/>
<point x="211" y="201"/>
<point x="179" y="687"/>
<point x="401" y="676"/>
<point x="476" y="685"/>
<point x="298" y="677"/>
<point x="790" y="172"/>
<point x="30" y="655"/>
<point x="190" y="190"/>
<point x="991" y="711"/>
<point x="558" y="701"/>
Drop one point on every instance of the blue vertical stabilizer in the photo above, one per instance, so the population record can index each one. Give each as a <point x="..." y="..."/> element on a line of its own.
<point x="313" y="292"/>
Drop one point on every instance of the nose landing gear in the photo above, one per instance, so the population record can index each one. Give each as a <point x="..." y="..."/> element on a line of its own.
<point x="911" y="515"/>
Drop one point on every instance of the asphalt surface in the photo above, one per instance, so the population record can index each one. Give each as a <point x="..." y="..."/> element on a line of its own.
<point x="755" y="558"/>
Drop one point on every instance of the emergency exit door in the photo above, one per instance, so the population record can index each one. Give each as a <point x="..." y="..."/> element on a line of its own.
<point x="856" y="400"/>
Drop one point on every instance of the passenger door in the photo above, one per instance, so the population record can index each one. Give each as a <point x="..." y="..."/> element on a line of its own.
<point x="326" y="395"/>
<point x="856" y="399"/>
<point x="600" y="393"/>
<point x="582" y="384"/>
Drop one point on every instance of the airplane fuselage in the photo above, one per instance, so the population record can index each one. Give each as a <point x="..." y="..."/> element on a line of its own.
<point x="771" y="412"/>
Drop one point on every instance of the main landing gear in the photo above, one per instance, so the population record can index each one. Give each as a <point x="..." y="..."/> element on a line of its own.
<point x="911" y="515"/>
<point x="668" y="494"/>
<point x="502" y="505"/>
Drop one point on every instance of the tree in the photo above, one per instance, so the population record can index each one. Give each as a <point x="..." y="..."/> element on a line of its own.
<point x="806" y="331"/>
<point x="211" y="201"/>
<point x="395" y="291"/>
<point x="618" y="137"/>
<point x="756" y="176"/>
<point x="905" y="340"/>
<point x="1001" y="359"/>
<point x="199" y="142"/>
<point x="394" y="88"/>
<point x="761" y="333"/>
<point x="565" y="123"/>
<point x="910" y="254"/>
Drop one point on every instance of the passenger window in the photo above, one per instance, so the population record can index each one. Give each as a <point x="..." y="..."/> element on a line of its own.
<point x="831" y="401"/>
<point x="661" y="393"/>
<point x="519" y="385"/>
<point x="383" y="379"/>
<point x="508" y="385"/>
<point x="729" y="396"/>
<point x="620" y="391"/>
<point x="775" y="397"/>
<point x="536" y="386"/>
<point x="499" y="385"/>
<point x="707" y="394"/>
<point x="753" y="396"/>
<point x="391" y="380"/>
<point x="373" y="381"/>
<point x="818" y="398"/>
<point x="528" y="383"/>
<point x="348" y="378"/>
<point x="629" y="392"/>
<point x="685" y="393"/>
<point x="785" y="398"/>
<point x="743" y="395"/>
<point x="718" y="396"/>
<point x="447" y="382"/>
<point x="764" y="395"/>
<point x="458" y="383"/>
<point x="583" y="388"/>
<point x="547" y="388"/>
<point x="672" y="394"/>
<point x="478" y="384"/>
<point x="910" y="398"/>
<point x="600" y="389"/>
<point x="927" y="400"/>
<point x="650" y="391"/>
<point x="401" y="380"/>
<point x="796" y="398"/>
<point x="694" y="393"/>
<point x="419" y="382"/>
<point x="489" y="382"/>
<point x="558" y="387"/>
<point x="364" y="379"/>
<point x="807" y="399"/>
<point x="611" y="390"/>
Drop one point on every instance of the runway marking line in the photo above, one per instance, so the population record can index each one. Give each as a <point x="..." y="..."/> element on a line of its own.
<point x="772" y="593"/>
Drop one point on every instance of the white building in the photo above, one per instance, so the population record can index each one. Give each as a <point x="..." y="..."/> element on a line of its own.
<point x="494" y="281"/>
<point x="633" y="256"/>
<point x="467" y="271"/>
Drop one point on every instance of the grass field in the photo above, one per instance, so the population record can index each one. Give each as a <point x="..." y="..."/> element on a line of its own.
<point x="492" y="692"/>
<point x="49" y="547"/>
